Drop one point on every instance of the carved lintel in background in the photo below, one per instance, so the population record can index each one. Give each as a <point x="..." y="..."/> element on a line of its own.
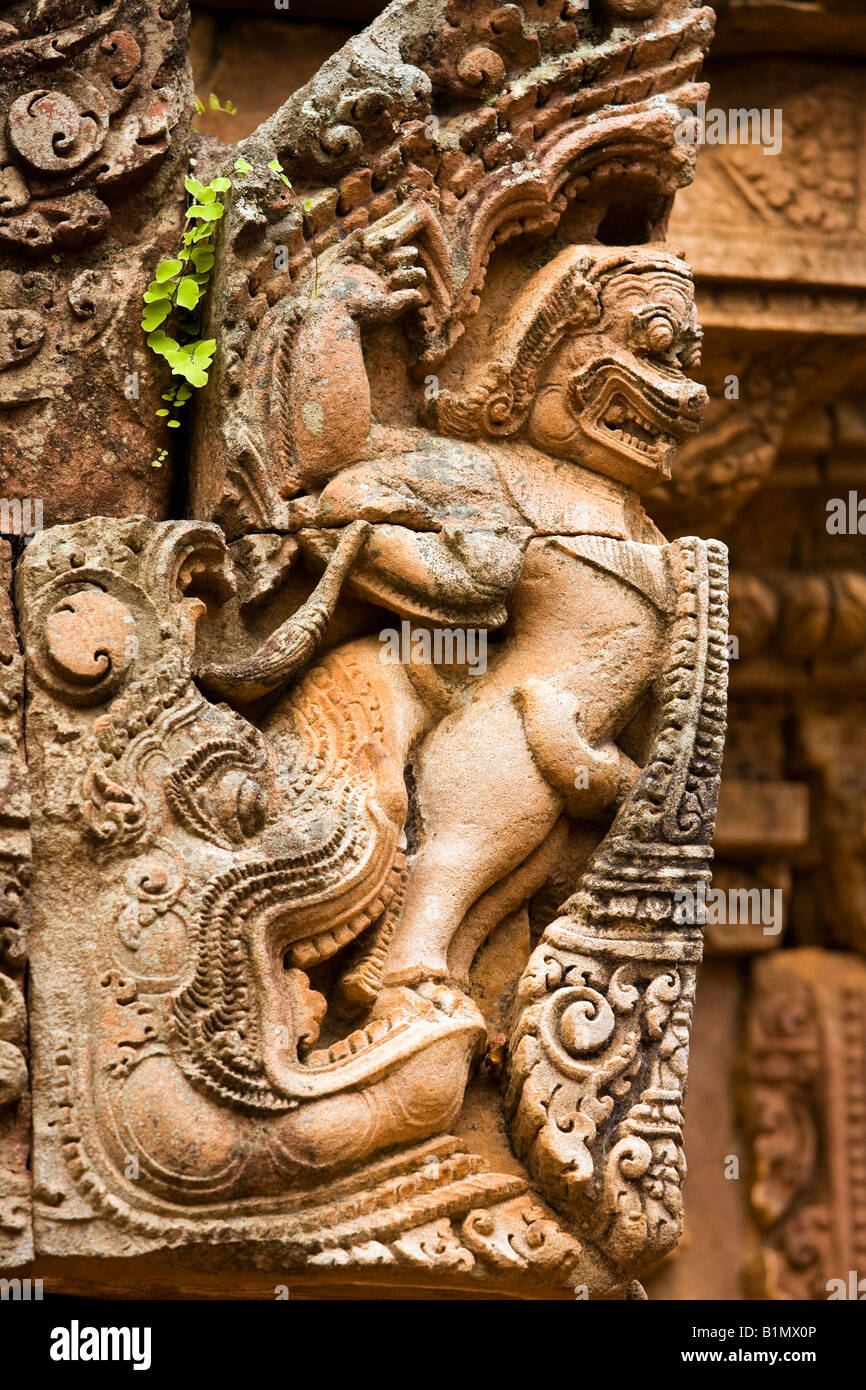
<point x="804" y="1103"/>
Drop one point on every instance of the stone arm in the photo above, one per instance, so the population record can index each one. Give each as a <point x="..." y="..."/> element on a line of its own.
<point x="369" y="279"/>
<point x="329" y="394"/>
<point x="454" y="576"/>
<point x="414" y="562"/>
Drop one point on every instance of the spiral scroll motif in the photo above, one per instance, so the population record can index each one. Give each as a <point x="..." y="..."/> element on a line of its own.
<point x="56" y="131"/>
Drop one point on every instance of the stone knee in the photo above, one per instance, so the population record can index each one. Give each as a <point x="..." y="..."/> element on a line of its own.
<point x="591" y="777"/>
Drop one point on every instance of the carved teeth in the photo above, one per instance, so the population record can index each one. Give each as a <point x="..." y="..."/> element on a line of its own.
<point x="356" y="1042"/>
<point x="323" y="944"/>
<point x="644" y="438"/>
<point x="315" y="948"/>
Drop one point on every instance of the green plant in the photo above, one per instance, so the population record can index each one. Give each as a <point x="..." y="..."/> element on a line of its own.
<point x="174" y="297"/>
<point x="176" y="292"/>
<point x="213" y="102"/>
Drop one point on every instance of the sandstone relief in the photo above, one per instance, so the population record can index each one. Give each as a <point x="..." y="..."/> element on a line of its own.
<point x="368" y="775"/>
<point x="95" y="103"/>
<point x="16" y="1245"/>
<point x="803" y="1106"/>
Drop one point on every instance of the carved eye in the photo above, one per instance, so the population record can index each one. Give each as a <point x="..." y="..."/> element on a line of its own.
<point x="241" y="803"/>
<point x="659" y="334"/>
<point x="691" y="352"/>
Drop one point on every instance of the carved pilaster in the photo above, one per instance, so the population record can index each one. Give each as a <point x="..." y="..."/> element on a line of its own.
<point x="95" y="103"/>
<point x="805" y="1107"/>
<point x="16" y="1241"/>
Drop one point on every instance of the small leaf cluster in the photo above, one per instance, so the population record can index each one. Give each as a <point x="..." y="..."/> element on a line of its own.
<point x="178" y="288"/>
<point x="174" y="296"/>
<point x="214" y="103"/>
<point x="278" y="169"/>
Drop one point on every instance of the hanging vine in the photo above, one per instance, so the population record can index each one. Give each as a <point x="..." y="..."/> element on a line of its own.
<point x="173" y="301"/>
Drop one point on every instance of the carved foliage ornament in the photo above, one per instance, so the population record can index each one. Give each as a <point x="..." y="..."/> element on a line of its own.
<point x="90" y="107"/>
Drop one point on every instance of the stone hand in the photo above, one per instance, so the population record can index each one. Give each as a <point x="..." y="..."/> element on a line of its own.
<point x="375" y="273"/>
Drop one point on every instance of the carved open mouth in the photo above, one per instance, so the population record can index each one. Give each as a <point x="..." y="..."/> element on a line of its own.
<point x="403" y="1022"/>
<point x="641" y="413"/>
<point x="203" y="571"/>
<point x="635" y="429"/>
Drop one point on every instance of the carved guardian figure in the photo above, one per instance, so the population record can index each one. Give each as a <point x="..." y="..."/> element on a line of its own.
<point x="286" y="887"/>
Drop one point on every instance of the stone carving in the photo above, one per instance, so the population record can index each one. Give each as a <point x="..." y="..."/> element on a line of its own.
<point x="421" y="676"/>
<point x="16" y="1245"/>
<point x="832" y="740"/>
<point x="753" y="401"/>
<point x="231" y="859"/>
<point x="187" y="1100"/>
<point x="776" y="246"/>
<point x="739" y="443"/>
<point x="798" y="616"/>
<point x="454" y="129"/>
<point x="598" y="993"/>
<point x="820" y="615"/>
<point x="804" y="1108"/>
<point x="82" y="84"/>
<point x="95" y="101"/>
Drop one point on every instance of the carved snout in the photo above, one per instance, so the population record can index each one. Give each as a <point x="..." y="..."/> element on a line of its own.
<point x="195" y="1150"/>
